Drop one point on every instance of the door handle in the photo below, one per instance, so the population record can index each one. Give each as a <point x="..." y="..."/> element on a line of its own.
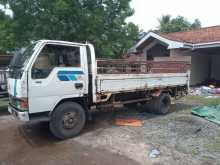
<point x="38" y="82"/>
<point x="78" y="85"/>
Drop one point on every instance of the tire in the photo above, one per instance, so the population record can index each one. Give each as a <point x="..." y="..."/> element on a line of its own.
<point x="160" y="105"/>
<point x="67" y="120"/>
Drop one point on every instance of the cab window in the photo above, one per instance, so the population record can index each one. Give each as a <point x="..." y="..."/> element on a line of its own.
<point x="53" y="56"/>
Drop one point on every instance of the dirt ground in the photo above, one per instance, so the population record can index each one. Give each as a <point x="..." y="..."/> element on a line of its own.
<point x="181" y="138"/>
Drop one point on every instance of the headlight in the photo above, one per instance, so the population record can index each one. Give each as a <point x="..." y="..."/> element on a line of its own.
<point x="22" y="104"/>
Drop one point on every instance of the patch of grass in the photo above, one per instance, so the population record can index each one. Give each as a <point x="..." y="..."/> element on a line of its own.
<point x="213" y="146"/>
<point x="204" y="101"/>
<point x="195" y="152"/>
<point x="3" y="103"/>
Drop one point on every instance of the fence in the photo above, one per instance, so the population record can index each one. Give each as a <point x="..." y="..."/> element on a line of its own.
<point x="106" y="66"/>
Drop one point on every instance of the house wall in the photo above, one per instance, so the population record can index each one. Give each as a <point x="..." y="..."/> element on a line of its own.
<point x="147" y="47"/>
<point x="199" y="68"/>
<point x="134" y="57"/>
<point x="145" y="53"/>
<point x="181" y="55"/>
<point x="176" y="55"/>
<point x="215" y="67"/>
<point x="199" y="64"/>
<point x="155" y="49"/>
<point x="158" y="50"/>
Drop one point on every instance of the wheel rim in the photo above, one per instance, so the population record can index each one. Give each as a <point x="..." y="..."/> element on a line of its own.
<point x="70" y="120"/>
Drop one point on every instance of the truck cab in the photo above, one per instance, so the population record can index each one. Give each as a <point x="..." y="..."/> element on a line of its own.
<point x="46" y="74"/>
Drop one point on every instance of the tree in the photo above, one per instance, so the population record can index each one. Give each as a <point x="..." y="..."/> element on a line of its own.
<point x="196" y="24"/>
<point x="168" y="24"/>
<point x="6" y="37"/>
<point x="101" y="22"/>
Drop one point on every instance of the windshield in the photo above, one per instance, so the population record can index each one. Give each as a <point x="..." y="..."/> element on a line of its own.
<point x="21" y="58"/>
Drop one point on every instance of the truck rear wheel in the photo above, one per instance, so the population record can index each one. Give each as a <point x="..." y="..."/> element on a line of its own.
<point x="160" y="105"/>
<point x="67" y="120"/>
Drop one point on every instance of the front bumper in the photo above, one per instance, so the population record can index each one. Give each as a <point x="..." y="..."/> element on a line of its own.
<point x="23" y="116"/>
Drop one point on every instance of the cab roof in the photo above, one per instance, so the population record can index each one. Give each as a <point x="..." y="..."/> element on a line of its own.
<point x="62" y="42"/>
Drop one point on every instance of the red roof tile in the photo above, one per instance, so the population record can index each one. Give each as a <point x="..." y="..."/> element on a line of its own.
<point x="203" y="35"/>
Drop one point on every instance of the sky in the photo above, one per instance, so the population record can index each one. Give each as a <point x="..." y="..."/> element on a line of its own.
<point x="7" y="10"/>
<point x="147" y="12"/>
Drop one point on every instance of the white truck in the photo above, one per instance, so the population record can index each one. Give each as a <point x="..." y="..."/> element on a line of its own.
<point x="63" y="82"/>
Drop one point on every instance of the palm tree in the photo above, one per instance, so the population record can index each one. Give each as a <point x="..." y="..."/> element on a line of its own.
<point x="164" y="23"/>
<point x="165" y="19"/>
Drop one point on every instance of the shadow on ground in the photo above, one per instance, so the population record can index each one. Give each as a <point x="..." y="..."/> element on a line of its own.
<point x="38" y="133"/>
<point x="4" y="111"/>
<point x="179" y="130"/>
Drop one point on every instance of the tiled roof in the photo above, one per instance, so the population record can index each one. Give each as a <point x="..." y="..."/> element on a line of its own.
<point x="202" y="35"/>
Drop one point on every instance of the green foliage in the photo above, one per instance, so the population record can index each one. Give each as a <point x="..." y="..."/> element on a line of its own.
<point x="101" y="22"/>
<point x="168" y="24"/>
<point x="196" y="24"/>
<point x="6" y="37"/>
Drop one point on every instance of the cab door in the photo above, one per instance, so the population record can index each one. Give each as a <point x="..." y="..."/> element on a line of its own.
<point x="58" y="72"/>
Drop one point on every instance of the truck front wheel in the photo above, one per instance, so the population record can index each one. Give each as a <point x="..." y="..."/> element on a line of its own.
<point x="67" y="120"/>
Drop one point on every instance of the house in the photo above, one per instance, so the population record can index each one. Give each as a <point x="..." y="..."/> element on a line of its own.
<point x="200" y="47"/>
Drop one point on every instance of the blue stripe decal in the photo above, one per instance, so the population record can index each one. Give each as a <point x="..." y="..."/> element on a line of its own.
<point x="63" y="78"/>
<point x="70" y="72"/>
<point x="68" y="75"/>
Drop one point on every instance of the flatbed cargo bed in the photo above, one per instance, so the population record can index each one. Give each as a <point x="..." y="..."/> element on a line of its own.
<point x="120" y="75"/>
